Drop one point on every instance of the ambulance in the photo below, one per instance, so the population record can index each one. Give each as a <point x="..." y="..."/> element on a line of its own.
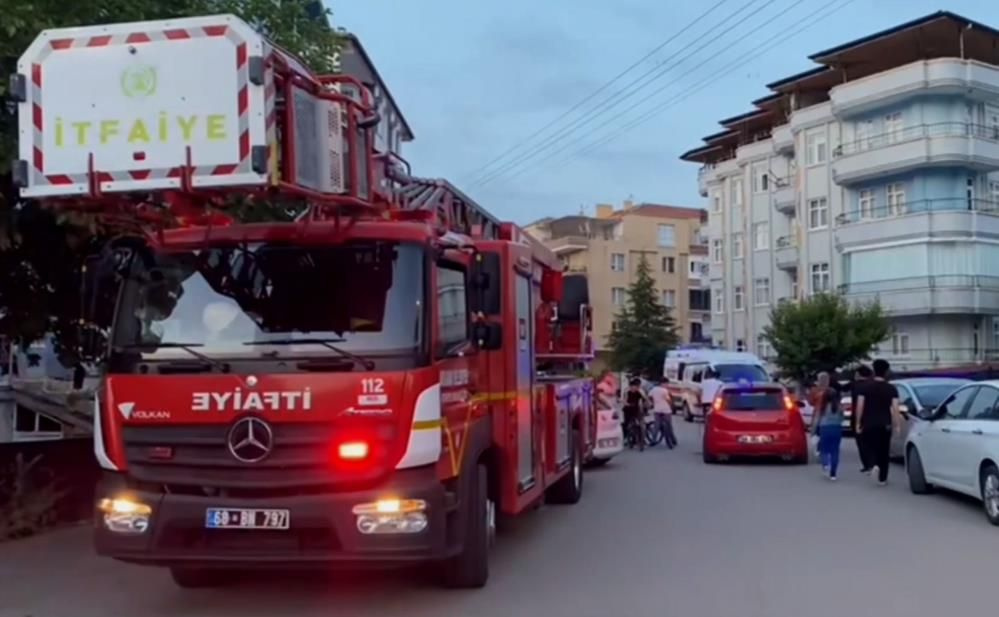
<point x="686" y="368"/>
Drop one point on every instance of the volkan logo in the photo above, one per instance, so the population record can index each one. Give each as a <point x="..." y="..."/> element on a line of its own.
<point x="126" y="409"/>
<point x="138" y="82"/>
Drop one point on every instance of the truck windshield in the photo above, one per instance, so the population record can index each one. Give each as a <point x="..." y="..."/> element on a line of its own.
<point x="229" y="301"/>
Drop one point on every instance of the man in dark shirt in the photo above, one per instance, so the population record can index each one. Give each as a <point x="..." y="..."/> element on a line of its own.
<point x="860" y="379"/>
<point x="877" y="416"/>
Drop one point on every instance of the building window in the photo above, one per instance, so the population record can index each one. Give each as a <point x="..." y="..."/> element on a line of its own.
<point x="736" y="189"/>
<point x="894" y="127"/>
<point x="818" y="213"/>
<point x="994" y="193"/>
<point x="617" y="296"/>
<point x="794" y="287"/>
<point x="669" y="298"/>
<point x="865" y="131"/>
<point x="896" y="199"/>
<point x="866" y="204"/>
<point x="761" y="291"/>
<point x="737" y="245"/>
<point x="716" y="200"/>
<point x="738" y="298"/>
<point x="717" y="251"/>
<point x="667" y="236"/>
<point x="764" y="350"/>
<point x="669" y="265"/>
<point x="719" y="300"/>
<point x="761" y="178"/>
<point x="900" y="344"/>
<point x="761" y="236"/>
<point x="821" y="278"/>
<point x="815" y="147"/>
<point x="617" y="262"/>
<point x="970" y="192"/>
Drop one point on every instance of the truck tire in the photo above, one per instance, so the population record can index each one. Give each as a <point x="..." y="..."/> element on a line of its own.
<point x="200" y="578"/>
<point x="469" y="569"/>
<point x="575" y="293"/>
<point x="569" y="489"/>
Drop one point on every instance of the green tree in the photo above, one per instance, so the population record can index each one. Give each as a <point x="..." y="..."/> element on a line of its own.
<point x="823" y="333"/>
<point x="644" y="328"/>
<point x="40" y="253"/>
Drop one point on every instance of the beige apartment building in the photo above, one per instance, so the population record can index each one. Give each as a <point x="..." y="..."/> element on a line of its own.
<point x="608" y="248"/>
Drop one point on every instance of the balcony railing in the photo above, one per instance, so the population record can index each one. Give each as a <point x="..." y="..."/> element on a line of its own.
<point x="919" y="131"/>
<point x="955" y="204"/>
<point x="921" y="282"/>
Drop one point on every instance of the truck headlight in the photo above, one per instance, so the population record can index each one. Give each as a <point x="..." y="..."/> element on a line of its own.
<point x="391" y="516"/>
<point x="125" y="515"/>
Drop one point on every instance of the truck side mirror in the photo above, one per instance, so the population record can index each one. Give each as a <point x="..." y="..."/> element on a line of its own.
<point x="486" y="282"/>
<point x="487" y="335"/>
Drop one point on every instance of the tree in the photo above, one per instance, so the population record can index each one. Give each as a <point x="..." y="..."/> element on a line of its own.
<point x="823" y="333"/>
<point x="644" y="329"/>
<point x="40" y="253"/>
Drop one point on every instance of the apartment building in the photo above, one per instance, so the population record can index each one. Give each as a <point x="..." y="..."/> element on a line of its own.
<point x="876" y="175"/>
<point x="608" y="248"/>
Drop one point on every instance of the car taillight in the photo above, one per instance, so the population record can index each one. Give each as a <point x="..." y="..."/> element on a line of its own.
<point x="789" y="404"/>
<point x="717" y="404"/>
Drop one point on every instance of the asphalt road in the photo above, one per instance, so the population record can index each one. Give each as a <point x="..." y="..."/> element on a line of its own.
<point x="657" y="533"/>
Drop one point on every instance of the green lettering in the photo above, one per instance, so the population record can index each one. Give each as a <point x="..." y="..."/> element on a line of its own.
<point x="216" y="127"/>
<point x="164" y="127"/>
<point x="109" y="128"/>
<point x="58" y="133"/>
<point x="139" y="132"/>
<point x="81" y="132"/>
<point x="187" y="126"/>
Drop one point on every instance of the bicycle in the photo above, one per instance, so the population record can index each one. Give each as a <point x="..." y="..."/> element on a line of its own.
<point x="651" y="433"/>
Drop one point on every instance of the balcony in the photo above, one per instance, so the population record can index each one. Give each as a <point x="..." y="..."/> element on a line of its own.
<point x="786" y="253"/>
<point x="962" y="218"/>
<point x="783" y="140"/>
<point x="929" y="295"/>
<point x="568" y="244"/>
<point x="944" y="144"/>
<point x="786" y="197"/>
<point x="938" y="76"/>
<point x="704" y="173"/>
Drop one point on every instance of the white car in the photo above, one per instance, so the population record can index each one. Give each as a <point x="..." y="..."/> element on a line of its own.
<point x="957" y="447"/>
<point x="610" y="436"/>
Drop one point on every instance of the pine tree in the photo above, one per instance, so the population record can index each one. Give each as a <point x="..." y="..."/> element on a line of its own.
<point x="644" y="328"/>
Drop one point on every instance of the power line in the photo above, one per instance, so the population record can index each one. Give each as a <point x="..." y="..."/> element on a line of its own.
<point x="616" y="100"/>
<point x="770" y="43"/>
<point x="479" y="171"/>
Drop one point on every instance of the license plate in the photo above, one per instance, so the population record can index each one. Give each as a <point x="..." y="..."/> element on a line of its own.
<point x="247" y="518"/>
<point x="755" y="439"/>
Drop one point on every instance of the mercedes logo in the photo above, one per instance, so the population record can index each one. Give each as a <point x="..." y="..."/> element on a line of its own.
<point x="250" y="440"/>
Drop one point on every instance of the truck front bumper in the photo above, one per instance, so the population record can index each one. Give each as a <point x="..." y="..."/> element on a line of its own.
<point x="323" y="529"/>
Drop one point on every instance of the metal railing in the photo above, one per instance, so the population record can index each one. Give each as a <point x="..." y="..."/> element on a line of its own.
<point x="919" y="283"/>
<point x="953" y="204"/>
<point x="919" y="131"/>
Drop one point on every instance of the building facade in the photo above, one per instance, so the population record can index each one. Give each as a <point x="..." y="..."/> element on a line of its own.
<point x="874" y="175"/>
<point x="608" y="247"/>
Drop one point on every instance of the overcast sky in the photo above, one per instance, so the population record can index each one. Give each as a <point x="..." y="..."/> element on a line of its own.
<point x="475" y="78"/>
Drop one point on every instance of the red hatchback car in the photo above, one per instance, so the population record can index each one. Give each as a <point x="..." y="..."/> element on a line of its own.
<point x="756" y="419"/>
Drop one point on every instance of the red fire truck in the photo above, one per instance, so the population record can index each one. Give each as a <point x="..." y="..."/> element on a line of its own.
<point x="375" y="375"/>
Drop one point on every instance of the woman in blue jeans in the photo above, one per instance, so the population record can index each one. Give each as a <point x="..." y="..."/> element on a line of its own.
<point x="829" y="420"/>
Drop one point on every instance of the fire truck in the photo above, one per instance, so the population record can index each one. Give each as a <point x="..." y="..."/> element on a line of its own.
<point x="313" y="358"/>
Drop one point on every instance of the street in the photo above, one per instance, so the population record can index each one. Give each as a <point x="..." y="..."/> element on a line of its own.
<point x="657" y="533"/>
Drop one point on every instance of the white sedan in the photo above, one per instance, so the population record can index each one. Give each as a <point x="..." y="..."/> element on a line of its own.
<point x="957" y="447"/>
<point x="610" y="435"/>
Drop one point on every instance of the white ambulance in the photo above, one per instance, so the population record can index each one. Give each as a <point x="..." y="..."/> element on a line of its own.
<point x="685" y="369"/>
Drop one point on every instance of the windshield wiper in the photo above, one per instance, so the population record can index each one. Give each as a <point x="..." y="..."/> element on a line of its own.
<point x="188" y="347"/>
<point x="325" y="342"/>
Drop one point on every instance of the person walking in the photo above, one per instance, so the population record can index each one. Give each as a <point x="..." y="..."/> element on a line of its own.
<point x="662" y="408"/>
<point x="877" y="417"/>
<point x="710" y="384"/>
<point x="635" y="403"/>
<point x="829" y="422"/>
<point x="861" y="378"/>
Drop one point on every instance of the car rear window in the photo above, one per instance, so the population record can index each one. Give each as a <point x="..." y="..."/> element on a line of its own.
<point x="731" y="373"/>
<point x="752" y="400"/>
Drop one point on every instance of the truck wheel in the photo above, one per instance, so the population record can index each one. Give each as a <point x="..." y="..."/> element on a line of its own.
<point x="569" y="489"/>
<point x="469" y="569"/>
<point x="199" y="578"/>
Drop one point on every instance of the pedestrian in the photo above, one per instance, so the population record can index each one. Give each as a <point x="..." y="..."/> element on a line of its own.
<point x="828" y="421"/>
<point x="861" y="378"/>
<point x="710" y="384"/>
<point x="662" y="408"/>
<point x="877" y="417"/>
<point x="635" y="403"/>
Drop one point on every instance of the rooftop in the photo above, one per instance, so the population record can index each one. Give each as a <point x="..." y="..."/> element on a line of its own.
<point x="939" y="35"/>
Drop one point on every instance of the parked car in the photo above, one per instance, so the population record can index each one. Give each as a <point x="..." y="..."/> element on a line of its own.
<point x="917" y="397"/>
<point x="758" y="419"/>
<point x="957" y="446"/>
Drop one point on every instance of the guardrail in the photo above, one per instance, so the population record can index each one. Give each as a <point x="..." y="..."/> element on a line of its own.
<point x="920" y="283"/>
<point x="954" y="204"/>
<point x="914" y="133"/>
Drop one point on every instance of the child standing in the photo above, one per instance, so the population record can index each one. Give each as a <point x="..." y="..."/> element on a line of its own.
<point x="829" y="420"/>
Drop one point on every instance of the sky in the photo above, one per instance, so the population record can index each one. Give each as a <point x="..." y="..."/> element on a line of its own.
<point x="478" y="79"/>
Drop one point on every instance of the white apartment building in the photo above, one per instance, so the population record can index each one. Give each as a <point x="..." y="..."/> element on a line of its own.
<point x="874" y="175"/>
